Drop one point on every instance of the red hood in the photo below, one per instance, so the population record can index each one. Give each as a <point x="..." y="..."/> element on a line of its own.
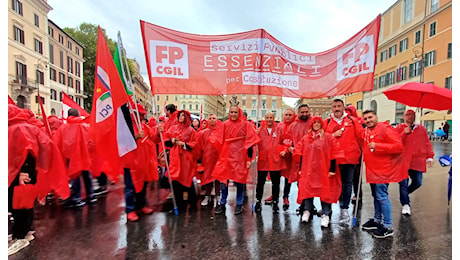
<point x="188" y="117"/>
<point x="318" y="118"/>
<point x="55" y="122"/>
<point x="16" y="115"/>
<point x="352" y="110"/>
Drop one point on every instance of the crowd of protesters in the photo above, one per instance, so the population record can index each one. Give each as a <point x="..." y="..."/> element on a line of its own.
<point x="322" y="157"/>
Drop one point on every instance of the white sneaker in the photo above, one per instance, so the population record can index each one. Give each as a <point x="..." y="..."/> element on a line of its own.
<point x="344" y="214"/>
<point x="306" y="216"/>
<point x="205" y="201"/>
<point x="17" y="245"/>
<point x="29" y="237"/>
<point x="406" y="210"/>
<point x="324" y="220"/>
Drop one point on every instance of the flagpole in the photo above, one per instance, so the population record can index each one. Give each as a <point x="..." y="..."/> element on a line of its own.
<point x="122" y="51"/>
<point x="256" y="157"/>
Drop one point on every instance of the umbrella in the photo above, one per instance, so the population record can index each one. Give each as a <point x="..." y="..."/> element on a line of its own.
<point x="422" y="95"/>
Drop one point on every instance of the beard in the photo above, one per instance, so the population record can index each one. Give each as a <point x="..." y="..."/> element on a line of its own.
<point x="304" y="118"/>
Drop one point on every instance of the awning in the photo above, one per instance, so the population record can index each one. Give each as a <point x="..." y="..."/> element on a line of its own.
<point x="436" y="116"/>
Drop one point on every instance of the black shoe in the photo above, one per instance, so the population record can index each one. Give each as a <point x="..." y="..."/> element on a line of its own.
<point x="383" y="232"/>
<point x="73" y="204"/>
<point x="258" y="207"/>
<point x="91" y="200"/>
<point x="275" y="206"/>
<point x="371" y="225"/>
<point x="220" y="209"/>
<point x="100" y="191"/>
<point x="238" y="209"/>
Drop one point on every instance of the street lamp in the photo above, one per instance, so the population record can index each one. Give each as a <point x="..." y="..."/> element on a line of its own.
<point x="418" y="54"/>
<point x="42" y="62"/>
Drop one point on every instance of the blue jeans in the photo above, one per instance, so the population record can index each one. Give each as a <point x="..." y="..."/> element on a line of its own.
<point x="346" y="173"/>
<point x="133" y="200"/>
<point x="382" y="204"/>
<point x="405" y="189"/>
<point x="76" y="186"/>
<point x="308" y="205"/>
<point x="239" y="193"/>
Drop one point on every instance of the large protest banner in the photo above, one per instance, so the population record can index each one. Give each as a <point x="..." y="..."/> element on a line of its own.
<point x="255" y="62"/>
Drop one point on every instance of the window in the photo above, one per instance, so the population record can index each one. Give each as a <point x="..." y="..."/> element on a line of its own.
<point x="175" y="98"/>
<point x="36" y="20"/>
<point x="449" y="50"/>
<point x="244" y="102"/>
<point x="69" y="65"/>
<point x="432" y="29"/>
<point x="391" y="77"/>
<point x="61" y="59"/>
<point x="415" y="69"/>
<point x="264" y="104"/>
<point x="77" y="86"/>
<point x="196" y="107"/>
<point x="52" y="74"/>
<point x="51" y="54"/>
<point x="69" y="45"/>
<point x="264" y="112"/>
<point x="417" y="37"/>
<point x="42" y="99"/>
<point x="78" y="100"/>
<point x="51" y="31"/>
<point x="61" y="78"/>
<point x="434" y="6"/>
<point x="403" y="45"/>
<point x="375" y="84"/>
<point x="359" y="105"/>
<point x="17" y="6"/>
<point x="167" y="98"/>
<point x="190" y="106"/>
<point x="383" y="56"/>
<point x="21" y="72"/>
<point x="449" y="82"/>
<point x="190" y="96"/>
<point x="77" y="68"/>
<point x="158" y="97"/>
<point x="253" y="114"/>
<point x="374" y="106"/>
<point x="18" y="35"/>
<point x="61" y="96"/>
<point x="382" y="81"/>
<point x="392" y="51"/>
<point x="38" y="46"/>
<point x="70" y="82"/>
<point x="39" y="77"/>
<point x="274" y="104"/>
<point x="61" y="39"/>
<point x="430" y="58"/>
<point x="77" y="50"/>
<point x="253" y="103"/>
<point x="183" y="106"/>
<point x="408" y="5"/>
<point x="70" y="96"/>
<point x="401" y="74"/>
<point x="53" y="95"/>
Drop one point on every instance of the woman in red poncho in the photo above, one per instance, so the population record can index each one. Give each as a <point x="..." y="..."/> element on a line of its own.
<point x="35" y="168"/>
<point x="182" y="139"/>
<point x="318" y="151"/>
<point x="234" y="140"/>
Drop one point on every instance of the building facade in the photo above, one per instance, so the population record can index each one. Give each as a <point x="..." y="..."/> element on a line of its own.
<point x="415" y="45"/>
<point x="193" y="103"/>
<point x="249" y="104"/>
<point x="142" y="90"/>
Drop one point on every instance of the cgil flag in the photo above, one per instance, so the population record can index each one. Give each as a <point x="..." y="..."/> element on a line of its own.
<point x="110" y="130"/>
<point x="68" y="103"/>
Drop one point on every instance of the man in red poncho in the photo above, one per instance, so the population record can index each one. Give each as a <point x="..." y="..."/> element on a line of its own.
<point x="234" y="140"/>
<point x="271" y="150"/>
<point x="209" y="156"/>
<point x="55" y="123"/>
<point x="35" y="168"/>
<point x="140" y="166"/>
<point x="347" y="130"/>
<point x="417" y="147"/>
<point x="383" y="155"/>
<point x="298" y="129"/>
<point x="72" y="141"/>
<point x="182" y="139"/>
<point x="318" y="152"/>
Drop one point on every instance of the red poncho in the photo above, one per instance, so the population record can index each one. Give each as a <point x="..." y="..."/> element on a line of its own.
<point x="317" y="153"/>
<point x="209" y="154"/>
<point x="55" y="123"/>
<point x="24" y="138"/>
<point x="233" y="139"/>
<point x="287" y="142"/>
<point x="270" y="147"/>
<point x="417" y="146"/>
<point x="72" y="141"/>
<point x="298" y="129"/>
<point x="182" y="166"/>
<point x="387" y="162"/>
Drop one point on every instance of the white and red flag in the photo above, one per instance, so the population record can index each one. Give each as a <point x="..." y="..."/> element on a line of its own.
<point x="68" y="103"/>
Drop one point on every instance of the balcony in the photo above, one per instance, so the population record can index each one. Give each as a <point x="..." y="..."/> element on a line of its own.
<point x="20" y="84"/>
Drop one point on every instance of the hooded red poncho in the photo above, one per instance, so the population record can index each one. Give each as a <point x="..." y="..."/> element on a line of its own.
<point x="287" y="142"/>
<point x="317" y="152"/>
<point x="232" y="139"/>
<point x="55" y="123"/>
<point x="24" y="138"/>
<point x="298" y="129"/>
<point x="270" y="147"/>
<point x="209" y="154"/>
<point x="182" y="166"/>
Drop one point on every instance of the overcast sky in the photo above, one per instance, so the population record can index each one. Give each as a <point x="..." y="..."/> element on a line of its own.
<point x="305" y="25"/>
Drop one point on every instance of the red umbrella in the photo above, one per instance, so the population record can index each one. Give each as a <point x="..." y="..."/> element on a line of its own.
<point x="423" y="95"/>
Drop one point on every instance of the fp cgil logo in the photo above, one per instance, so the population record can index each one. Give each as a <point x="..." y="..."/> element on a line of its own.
<point x="356" y="59"/>
<point x="169" y="59"/>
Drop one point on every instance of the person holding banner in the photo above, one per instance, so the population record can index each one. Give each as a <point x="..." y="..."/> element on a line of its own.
<point x="271" y="150"/>
<point x="234" y="140"/>
<point x="347" y="130"/>
<point x="182" y="139"/>
<point x="318" y="152"/>
<point x="171" y="116"/>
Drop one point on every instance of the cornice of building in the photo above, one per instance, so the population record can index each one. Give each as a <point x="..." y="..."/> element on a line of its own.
<point x="64" y="32"/>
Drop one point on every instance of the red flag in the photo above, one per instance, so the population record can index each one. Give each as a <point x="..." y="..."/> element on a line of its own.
<point x="10" y="100"/>
<point x="45" y="118"/>
<point x="68" y="103"/>
<point x="109" y="131"/>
